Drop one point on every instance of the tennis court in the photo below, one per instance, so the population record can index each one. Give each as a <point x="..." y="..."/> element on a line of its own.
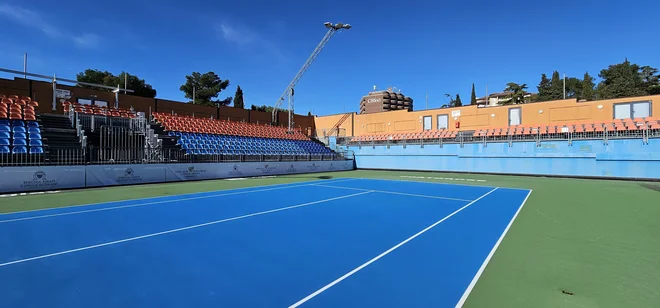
<point x="327" y="243"/>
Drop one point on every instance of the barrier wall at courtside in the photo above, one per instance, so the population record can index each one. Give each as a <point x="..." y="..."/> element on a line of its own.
<point x="620" y="158"/>
<point x="45" y="178"/>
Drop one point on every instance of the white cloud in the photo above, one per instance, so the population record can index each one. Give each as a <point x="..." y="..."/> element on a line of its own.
<point x="250" y="40"/>
<point x="33" y="19"/>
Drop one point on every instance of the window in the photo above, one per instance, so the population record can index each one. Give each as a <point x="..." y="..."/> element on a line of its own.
<point x="84" y="101"/>
<point x="101" y="103"/>
<point x="443" y="120"/>
<point x="427" y="123"/>
<point x="514" y="116"/>
<point x="632" y="110"/>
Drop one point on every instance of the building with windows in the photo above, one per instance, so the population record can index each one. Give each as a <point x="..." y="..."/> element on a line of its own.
<point x="386" y="100"/>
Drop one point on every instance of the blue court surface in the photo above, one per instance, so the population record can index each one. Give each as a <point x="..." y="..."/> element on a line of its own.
<point x="327" y="243"/>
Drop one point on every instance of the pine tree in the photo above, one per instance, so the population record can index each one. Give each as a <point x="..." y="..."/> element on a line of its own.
<point x="473" y="96"/>
<point x="588" y="91"/>
<point x="238" y="98"/>
<point x="544" y="89"/>
<point x="556" y="87"/>
<point x="457" y="102"/>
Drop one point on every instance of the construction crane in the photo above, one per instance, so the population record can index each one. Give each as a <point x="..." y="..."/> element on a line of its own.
<point x="289" y="92"/>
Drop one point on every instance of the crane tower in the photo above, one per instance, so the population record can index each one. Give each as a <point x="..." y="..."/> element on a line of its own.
<point x="289" y="92"/>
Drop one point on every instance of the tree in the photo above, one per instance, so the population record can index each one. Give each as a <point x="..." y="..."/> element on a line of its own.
<point x="516" y="94"/>
<point x="556" y="87"/>
<point x="573" y="87"/>
<point x="132" y="82"/>
<point x="621" y="80"/>
<point x="207" y="87"/>
<point x="651" y="80"/>
<point x="457" y="101"/>
<point x="454" y="101"/>
<point x="588" y="91"/>
<point x="544" y="89"/>
<point x="473" y="96"/>
<point x="238" y="98"/>
<point x="265" y="108"/>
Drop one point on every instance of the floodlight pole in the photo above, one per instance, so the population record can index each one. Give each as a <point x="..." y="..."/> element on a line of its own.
<point x="288" y="92"/>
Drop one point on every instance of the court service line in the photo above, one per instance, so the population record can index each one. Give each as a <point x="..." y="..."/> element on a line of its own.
<point x="338" y="280"/>
<point x="441" y="183"/>
<point x="182" y="229"/>
<point x="392" y="192"/>
<point x="151" y="203"/>
<point x="490" y="255"/>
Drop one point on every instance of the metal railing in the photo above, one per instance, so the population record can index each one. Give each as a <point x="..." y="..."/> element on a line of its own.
<point x="52" y="156"/>
<point x="467" y="137"/>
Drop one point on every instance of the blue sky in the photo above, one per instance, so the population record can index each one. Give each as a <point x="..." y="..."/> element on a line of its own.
<point x="433" y="47"/>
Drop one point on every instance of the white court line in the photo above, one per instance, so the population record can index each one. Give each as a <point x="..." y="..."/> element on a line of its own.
<point x="490" y="255"/>
<point x="181" y="229"/>
<point x="439" y="183"/>
<point x="150" y="203"/>
<point x="338" y="280"/>
<point x="391" y="192"/>
<point x="173" y="196"/>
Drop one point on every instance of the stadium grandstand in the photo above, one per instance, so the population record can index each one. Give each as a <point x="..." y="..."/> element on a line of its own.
<point x="109" y="199"/>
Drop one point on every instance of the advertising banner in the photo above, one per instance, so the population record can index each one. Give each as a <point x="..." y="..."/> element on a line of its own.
<point x="45" y="178"/>
<point x="109" y="175"/>
<point x="191" y="172"/>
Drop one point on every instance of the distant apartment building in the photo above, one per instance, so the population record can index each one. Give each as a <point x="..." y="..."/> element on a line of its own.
<point x="386" y="100"/>
<point x="496" y="99"/>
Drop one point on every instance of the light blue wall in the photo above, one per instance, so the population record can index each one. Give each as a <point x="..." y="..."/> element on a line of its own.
<point x="628" y="158"/>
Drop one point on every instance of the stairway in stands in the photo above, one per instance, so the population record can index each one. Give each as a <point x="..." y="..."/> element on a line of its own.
<point x="170" y="149"/>
<point x="62" y="144"/>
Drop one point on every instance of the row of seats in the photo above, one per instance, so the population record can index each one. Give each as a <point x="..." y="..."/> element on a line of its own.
<point x="17" y="108"/>
<point x="99" y="110"/>
<point x="20" y="137"/>
<point x="221" y="127"/>
<point x="208" y="144"/>
<point x="614" y="126"/>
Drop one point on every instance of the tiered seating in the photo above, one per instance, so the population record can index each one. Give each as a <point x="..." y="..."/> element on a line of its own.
<point x="210" y="144"/>
<point x="429" y="134"/>
<point x="20" y="137"/>
<point x="221" y="127"/>
<point x="99" y="110"/>
<point x="19" y="131"/>
<point x="580" y="129"/>
<point x="213" y="137"/>
<point x="14" y="107"/>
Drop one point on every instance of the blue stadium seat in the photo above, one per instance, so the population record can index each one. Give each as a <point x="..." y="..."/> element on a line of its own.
<point x="33" y="124"/>
<point x="36" y="150"/>
<point x="4" y="142"/>
<point x="19" y="150"/>
<point x="5" y="128"/>
<point x="16" y="142"/>
<point x="4" y="123"/>
<point x="34" y="130"/>
<point x="4" y="150"/>
<point x="18" y="123"/>
<point x="36" y="143"/>
<point x="19" y="129"/>
<point x="20" y="136"/>
<point x="35" y="137"/>
<point x="4" y="135"/>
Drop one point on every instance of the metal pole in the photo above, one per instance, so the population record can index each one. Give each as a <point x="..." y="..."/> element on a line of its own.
<point x="125" y="82"/>
<point x="564" y="85"/>
<point x="54" y="92"/>
<point x="193" y="95"/>
<point x="487" y="98"/>
<point x="25" y="66"/>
